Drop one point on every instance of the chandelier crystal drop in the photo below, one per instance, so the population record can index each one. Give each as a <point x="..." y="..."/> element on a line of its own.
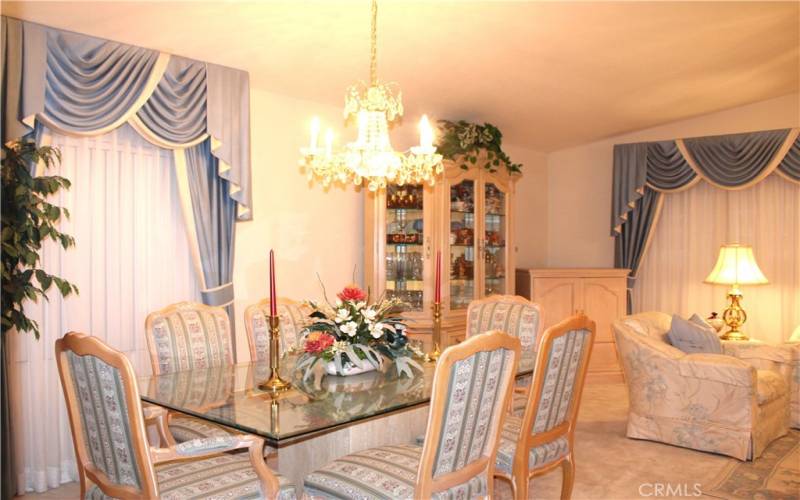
<point x="371" y="159"/>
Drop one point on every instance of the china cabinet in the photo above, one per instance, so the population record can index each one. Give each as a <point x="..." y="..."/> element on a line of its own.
<point x="468" y="217"/>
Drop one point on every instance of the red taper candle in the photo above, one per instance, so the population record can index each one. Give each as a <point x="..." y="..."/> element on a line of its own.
<point x="438" y="292"/>
<point x="273" y="297"/>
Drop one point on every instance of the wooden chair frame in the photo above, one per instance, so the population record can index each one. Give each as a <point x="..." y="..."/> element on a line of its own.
<point x="250" y="311"/>
<point x="521" y="472"/>
<point x="426" y="484"/>
<point x="146" y="456"/>
<point x="170" y="309"/>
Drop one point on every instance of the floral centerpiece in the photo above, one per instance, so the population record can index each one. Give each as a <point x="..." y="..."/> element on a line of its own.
<point x="352" y="336"/>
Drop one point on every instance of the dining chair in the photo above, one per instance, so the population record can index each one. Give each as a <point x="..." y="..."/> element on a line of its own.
<point x="114" y="459"/>
<point x="516" y="316"/>
<point x="471" y="388"/>
<point x="293" y="318"/>
<point x="184" y="336"/>
<point x="543" y="438"/>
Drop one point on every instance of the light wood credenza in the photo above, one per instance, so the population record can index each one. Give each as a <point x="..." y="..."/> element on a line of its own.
<point x="599" y="293"/>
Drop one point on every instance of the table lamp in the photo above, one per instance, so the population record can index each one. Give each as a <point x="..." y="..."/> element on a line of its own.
<point x="736" y="265"/>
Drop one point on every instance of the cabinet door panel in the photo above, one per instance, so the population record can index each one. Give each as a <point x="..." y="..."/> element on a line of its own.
<point x="604" y="358"/>
<point x="559" y="298"/>
<point x="604" y="301"/>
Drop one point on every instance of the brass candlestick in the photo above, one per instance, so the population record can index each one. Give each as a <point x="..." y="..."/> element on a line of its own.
<point x="437" y="332"/>
<point x="275" y="382"/>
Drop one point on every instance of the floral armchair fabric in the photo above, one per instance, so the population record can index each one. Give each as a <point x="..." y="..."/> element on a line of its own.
<point x="783" y="359"/>
<point x="707" y="402"/>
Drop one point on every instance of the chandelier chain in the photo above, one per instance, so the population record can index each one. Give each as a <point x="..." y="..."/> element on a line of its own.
<point x="373" y="53"/>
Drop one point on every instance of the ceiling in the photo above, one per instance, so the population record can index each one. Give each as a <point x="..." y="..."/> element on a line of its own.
<point x="549" y="74"/>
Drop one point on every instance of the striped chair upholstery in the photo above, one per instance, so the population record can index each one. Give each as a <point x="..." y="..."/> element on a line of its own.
<point x="474" y="399"/>
<point x="223" y="476"/>
<point x="544" y="432"/>
<point x="293" y="319"/>
<point x="514" y="315"/>
<point x="539" y="455"/>
<point x="187" y="336"/>
<point x="109" y="436"/>
<point x="104" y="419"/>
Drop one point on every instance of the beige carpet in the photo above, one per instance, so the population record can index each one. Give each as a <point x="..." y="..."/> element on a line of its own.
<point x="609" y="465"/>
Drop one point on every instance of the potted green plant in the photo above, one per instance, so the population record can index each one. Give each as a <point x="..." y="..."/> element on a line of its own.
<point x="462" y="141"/>
<point x="28" y="220"/>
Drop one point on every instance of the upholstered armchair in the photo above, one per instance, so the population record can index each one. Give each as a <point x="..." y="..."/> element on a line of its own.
<point x="707" y="402"/>
<point x="113" y="457"/>
<point x="293" y="318"/>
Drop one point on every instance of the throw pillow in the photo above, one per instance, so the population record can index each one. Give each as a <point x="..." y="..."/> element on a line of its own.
<point x="690" y="337"/>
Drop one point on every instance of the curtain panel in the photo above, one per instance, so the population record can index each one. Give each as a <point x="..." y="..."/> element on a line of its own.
<point x="732" y="162"/>
<point x="694" y="223"/>
<point x="130" y="259"/>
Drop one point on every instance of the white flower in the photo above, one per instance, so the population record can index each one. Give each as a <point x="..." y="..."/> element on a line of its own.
<point x="370" y="314"/>
<point x="342" y="315"/>
<point x="349" y="328"/>
<point x="340" y="346"/>
<point x="339" y="302"/>
<point x="360" y="305"/>
<point x="376" y="330"/>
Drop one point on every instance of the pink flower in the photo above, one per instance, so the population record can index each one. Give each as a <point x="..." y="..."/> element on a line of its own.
<point x="317" y="342"/>
<point x="353" y="293"/>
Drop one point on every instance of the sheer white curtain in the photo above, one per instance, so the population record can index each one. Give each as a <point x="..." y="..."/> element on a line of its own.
<point x="131" y="257"/>
<point x="693" y="225"/>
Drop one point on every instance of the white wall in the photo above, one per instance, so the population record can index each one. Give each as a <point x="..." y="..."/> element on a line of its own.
<point x="530" y="211"/>
<point x="311" y="230"/>
<point x="579" y="178"/>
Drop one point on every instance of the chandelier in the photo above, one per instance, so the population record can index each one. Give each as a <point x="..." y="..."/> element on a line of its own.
<point x="370" y="159"/>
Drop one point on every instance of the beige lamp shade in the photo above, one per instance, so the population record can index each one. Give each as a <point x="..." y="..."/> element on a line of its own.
<point x="736" y="265"/>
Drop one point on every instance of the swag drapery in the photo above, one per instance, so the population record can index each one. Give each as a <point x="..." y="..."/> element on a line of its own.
<point x="643" y="172"/>
<point x="84" y="86"/>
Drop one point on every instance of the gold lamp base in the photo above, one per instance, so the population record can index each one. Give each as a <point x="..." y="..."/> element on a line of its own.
<point x="275" y="383"/>
<point x="734" y="316"/>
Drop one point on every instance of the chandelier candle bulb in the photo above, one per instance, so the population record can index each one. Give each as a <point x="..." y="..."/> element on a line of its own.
<point x="425" y="134"/>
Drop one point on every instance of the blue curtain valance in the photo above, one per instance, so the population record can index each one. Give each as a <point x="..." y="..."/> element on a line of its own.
<point x="728" y="161"/>
<point x="82" y="85"/>
<point x="790" y="165"/>
<point x="176" y="111"/>
<point x="644" y="171"/>
<point x="736" y="159"/>
<point x="666" y="167"/>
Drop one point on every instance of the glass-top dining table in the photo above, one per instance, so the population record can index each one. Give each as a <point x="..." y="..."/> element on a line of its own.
<point x="229" y="395"/>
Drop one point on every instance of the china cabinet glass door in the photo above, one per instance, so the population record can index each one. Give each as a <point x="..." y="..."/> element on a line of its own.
<point x="462" y="243"/>
<point x="404" y="261"/>
<point x="494" y="244"/>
